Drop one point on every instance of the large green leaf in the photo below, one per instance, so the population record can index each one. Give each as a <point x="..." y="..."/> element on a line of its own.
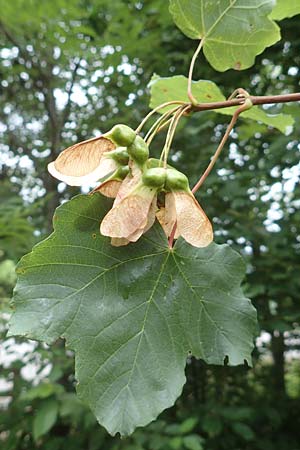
<point x="285" y="9"/>
<point x="233" y="32"/>
<point x="131" y="314"/>
<point x="175" y="88"/>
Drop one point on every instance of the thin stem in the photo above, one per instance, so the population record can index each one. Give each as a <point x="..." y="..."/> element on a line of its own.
<point x="256" y="100"/>
<point x="157" y="130"/>
<point x="178" y="116"/>
<point x="172" y="128"/>
<point x="163" y="105"/>
<point x="221" y="145"/>
<point x="172" y="236"/>
<point x="165" y="150"/>
<point x="157" y="124"/>
<point x="244" y="103"/>
<point x="190" y="79"/>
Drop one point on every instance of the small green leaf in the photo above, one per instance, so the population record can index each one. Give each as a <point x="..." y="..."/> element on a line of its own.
<point x="175" y="88"/>
<point x="176" y="443"/>
<point x="238" y="413"/>
<point x="212" y="425"/>
<point x="244" y="431"/>
<point x="43" y="390"/>
<point x="172" y="429"/>
<point x="131" y="314"/>
<point x="45" y="418"/>
<point x="285" y="9"/>
<point x="55" y="374"/>
<point x="188" y="425"/>
<point x="193" y="442"/>
<point x="233" y="32"/>
<point x="71" y="407"/>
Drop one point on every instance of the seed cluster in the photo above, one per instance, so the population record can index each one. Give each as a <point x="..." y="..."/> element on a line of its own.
<point x="143" y="189"/>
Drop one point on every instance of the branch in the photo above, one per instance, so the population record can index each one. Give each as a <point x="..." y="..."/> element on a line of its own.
<point x="255" y="100"/>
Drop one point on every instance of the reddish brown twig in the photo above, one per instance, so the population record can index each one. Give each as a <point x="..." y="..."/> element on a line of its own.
<point x="255" y="100"/>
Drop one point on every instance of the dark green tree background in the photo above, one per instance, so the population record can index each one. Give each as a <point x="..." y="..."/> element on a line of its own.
<point x="71" y="69"/>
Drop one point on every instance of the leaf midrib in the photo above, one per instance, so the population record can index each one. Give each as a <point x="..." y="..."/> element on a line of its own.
<point x="128" y="312"/>
<point x="205" y="36"/>
<point x="127" y="386"/>
<point x="140" y="332"/>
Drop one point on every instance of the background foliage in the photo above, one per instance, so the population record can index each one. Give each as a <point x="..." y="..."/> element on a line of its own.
<point x="72" y="69"/>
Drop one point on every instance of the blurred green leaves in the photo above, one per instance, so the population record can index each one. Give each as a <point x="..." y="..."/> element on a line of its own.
<point x="45" y="418"/>
<point x="16" y="231"/>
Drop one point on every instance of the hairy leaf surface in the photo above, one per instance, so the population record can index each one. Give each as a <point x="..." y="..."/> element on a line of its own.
<point x="175" y="88"/>
<point x="234" y="32"/>
<point x="131" y="314"/>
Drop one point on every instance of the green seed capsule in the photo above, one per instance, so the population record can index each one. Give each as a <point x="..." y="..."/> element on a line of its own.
<point x="120" y="155"/>
<point x="176" y="181"/>
<point x="154" y="177"/>
<point x="121" y="173"/>
<point x="154" y="162"/>
<point x="121" y="135"/>
<point x="138" y="150"/>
